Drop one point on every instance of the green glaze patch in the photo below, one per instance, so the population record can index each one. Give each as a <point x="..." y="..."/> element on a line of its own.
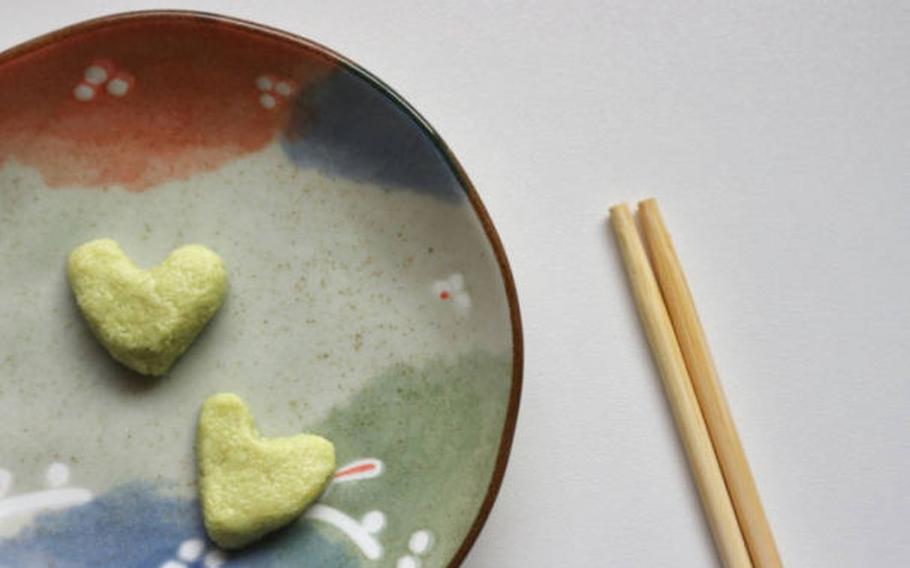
<point x="437" y="429"/>
<point x="146" y="318"/>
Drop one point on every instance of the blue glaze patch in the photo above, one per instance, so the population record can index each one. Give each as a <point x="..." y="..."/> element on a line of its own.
<point x="140" y="526"/>
<point x="348" y="127"/>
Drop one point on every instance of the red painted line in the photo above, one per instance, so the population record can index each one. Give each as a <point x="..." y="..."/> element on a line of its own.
<point x="356" y="469"/>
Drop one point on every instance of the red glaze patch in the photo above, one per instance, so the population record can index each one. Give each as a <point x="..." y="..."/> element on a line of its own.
<point x="141" y="102"/>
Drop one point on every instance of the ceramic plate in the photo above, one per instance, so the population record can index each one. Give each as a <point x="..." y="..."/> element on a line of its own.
<point x="370" y="300"/>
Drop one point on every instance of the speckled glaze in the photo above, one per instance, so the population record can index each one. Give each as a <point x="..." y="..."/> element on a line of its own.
<point x="370" y="301"/>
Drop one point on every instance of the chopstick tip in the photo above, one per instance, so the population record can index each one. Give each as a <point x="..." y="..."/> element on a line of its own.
<point x="619" y="209"/>
<point x="647" y="203"/>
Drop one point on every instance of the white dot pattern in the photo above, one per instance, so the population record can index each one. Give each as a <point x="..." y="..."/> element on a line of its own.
<point x="118" y="87"/>
<point x="264" y="83"/>
<point x="95" y="75"/>
<point x="190" y="550"/>
<point x="408" y="562"/>
<point x="420" y="542"/>
<point x="214" y="559"/>
<point x="283" y="88"/>
<point x="267" y="101"/>
<point x="463" y="301"/>
<point x="373" y="522"/>
<point x="84" y="92"/>
<point x="58" y="474"/>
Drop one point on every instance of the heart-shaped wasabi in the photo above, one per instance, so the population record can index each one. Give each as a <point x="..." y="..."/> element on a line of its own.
<point x="250" y="486"/>
<point x="146" y="319"/>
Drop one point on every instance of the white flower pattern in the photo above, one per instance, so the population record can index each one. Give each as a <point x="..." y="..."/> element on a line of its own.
<point x="273" y="90"/>
<point x="452" y="289"/>
<point x="103" y="74"/>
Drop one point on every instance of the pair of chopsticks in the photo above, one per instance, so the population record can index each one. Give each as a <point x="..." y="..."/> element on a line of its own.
<point x="728" y="493"/>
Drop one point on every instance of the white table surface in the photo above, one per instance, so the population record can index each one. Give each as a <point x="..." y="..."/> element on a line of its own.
<point x="777" y="137"/>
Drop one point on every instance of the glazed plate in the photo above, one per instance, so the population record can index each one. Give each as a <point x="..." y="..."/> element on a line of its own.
<point x="370" y="300"/>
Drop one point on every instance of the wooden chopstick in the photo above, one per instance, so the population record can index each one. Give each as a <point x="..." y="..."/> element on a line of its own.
<point x="683" y="404"/>
<point x="702" y="373"/>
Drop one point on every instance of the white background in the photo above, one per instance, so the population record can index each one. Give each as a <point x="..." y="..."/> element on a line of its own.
<point x="777" y="138"/>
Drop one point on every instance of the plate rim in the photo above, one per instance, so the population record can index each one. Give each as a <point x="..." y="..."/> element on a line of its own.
<point x="489" y="229"/>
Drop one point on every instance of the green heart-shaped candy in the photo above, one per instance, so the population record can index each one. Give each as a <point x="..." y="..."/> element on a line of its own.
<point x="146" y="319"/>
<point x="250" y="486"/>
